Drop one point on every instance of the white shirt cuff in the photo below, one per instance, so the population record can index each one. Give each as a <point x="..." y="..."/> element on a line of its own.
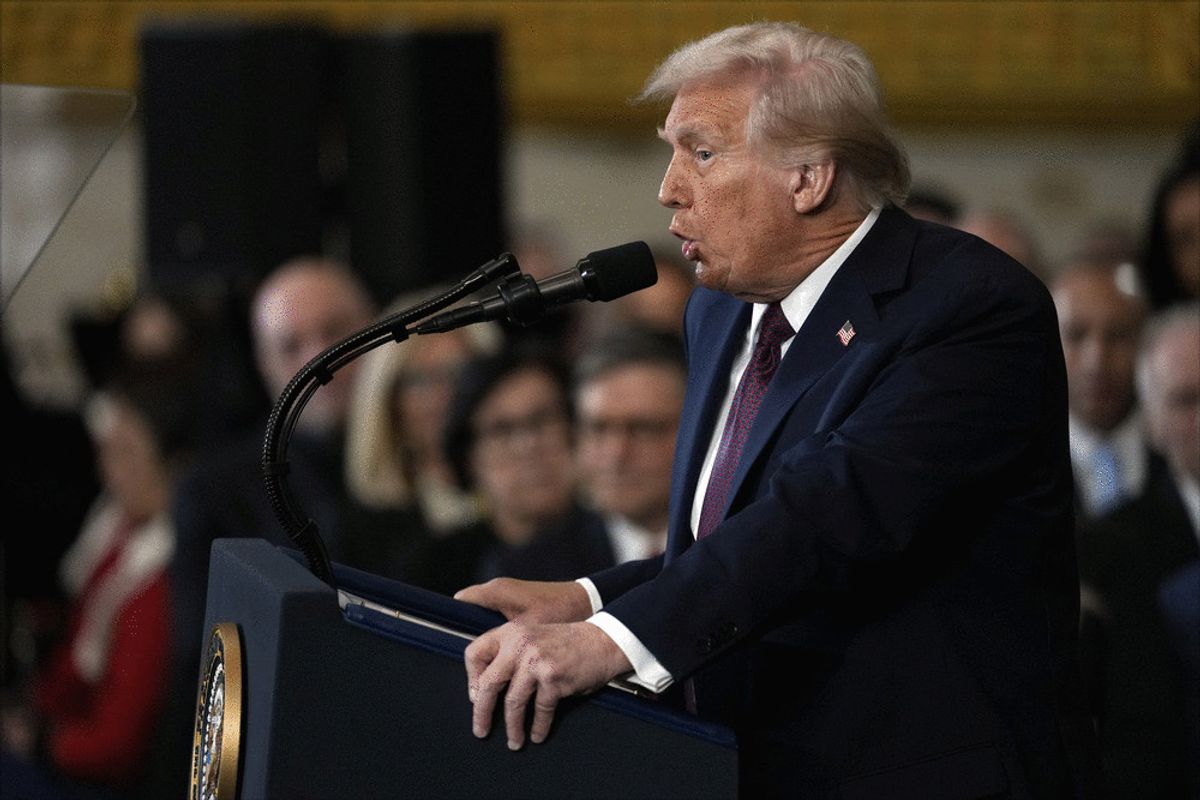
<point x="648" y="673"/>
<point x="592" y="592"/>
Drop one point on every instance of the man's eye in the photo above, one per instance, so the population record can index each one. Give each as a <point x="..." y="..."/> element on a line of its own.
<point x="704" y="155"/>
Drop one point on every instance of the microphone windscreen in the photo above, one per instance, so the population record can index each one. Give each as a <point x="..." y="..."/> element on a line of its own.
<point x="617" y="271"/>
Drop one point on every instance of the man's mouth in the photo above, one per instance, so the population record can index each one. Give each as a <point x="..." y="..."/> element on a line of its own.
<point x="691" y="250"/>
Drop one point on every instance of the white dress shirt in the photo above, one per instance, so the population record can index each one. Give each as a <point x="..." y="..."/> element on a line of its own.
<point x="1128" y="448"/>
<point x="648" y="672"/>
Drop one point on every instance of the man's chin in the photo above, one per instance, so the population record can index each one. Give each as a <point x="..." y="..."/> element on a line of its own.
<point x="709" y="277"/>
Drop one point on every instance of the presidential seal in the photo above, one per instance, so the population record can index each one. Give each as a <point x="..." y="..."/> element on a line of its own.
<point x="216" y="739"/>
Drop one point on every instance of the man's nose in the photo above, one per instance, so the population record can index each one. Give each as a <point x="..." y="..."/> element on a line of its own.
<point x="603" y="447"/>
<point x="672" y="192"/>
<point x="615" y="446"/>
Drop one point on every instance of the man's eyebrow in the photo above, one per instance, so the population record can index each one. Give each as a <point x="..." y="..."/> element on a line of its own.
<point x="684" y="135"/>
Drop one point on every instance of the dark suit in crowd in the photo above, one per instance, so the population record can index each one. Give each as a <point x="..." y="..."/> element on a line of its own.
<point x="1143" y="689"/>
<point x="575" y="544"/>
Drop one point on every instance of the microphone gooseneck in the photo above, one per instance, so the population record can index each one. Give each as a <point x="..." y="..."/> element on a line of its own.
<point x="286" y="411"/>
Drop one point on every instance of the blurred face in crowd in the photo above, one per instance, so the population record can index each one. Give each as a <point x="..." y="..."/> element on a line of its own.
<point x="1099" y="324"/>
<point x="733" y="210"/>
<point x="300" y="311"/>
<point x="1005" y="233"/>
<point x="1172" y="398"/>
<point x="627" y="418"/>
<point x="128" y="459"/>
<point x="521" y="455"/>
<point x="424" y="388"/>
<point x="1182" y="222"/>
<point x="152" y="331"/>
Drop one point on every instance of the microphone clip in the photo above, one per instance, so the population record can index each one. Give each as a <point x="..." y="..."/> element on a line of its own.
<point x="522" y="299"/>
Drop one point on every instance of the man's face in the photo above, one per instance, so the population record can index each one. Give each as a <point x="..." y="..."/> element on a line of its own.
<point x="733" y="210"/>
<point x="628" y="418"/>
<point x="299" y="314"/>
<point x="1173" y="407"/>
<point x="1099" y="325"/>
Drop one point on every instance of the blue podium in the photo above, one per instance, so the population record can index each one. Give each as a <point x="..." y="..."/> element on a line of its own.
<point x="304" y="696"/>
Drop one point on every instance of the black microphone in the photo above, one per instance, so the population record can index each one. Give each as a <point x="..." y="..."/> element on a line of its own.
<point x="602" y="275"/>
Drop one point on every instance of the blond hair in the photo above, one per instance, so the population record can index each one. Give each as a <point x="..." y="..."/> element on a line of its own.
<point x="375" y="469"/>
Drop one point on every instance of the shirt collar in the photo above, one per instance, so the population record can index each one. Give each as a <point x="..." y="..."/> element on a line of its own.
<point x="1085" y="441"/>
<point x="800" y="301"/>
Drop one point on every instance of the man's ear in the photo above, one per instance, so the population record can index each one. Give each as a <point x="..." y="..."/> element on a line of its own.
<point x="812" y="185"/>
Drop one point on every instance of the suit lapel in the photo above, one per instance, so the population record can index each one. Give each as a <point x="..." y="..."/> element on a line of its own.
<point x="878" y="264"/>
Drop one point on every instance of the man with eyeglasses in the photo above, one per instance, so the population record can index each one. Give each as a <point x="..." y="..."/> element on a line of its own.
<point x="628" y="397"/>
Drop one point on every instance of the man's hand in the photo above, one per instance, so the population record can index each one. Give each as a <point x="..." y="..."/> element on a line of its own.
<point x="531" y="601"/>
<point x="543" y="663"/>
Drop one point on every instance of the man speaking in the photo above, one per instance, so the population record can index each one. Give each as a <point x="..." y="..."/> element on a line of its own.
<point x="870" y="571"/>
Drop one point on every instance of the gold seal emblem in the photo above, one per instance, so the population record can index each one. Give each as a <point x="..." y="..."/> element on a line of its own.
<point x="217" y="733"/>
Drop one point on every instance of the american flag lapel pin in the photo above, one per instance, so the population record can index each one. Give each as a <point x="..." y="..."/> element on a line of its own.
<point x="846" y="333"/>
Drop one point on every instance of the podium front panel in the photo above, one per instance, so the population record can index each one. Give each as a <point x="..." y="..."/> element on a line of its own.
<point x="361" y="704"/>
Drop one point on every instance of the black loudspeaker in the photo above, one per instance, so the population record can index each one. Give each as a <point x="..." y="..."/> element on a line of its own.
<point x="423" y="123"/>
<point x="232" y="141"/>
<point x="264" y="142"/>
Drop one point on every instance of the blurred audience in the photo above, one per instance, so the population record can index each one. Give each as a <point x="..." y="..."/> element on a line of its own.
<point x="192" y="325"/>
<point x="300" y="309"/>
<point x="1109" y="241"/>
<point x="1100" y="315"/>
<point x="1171" y="252"/>
<point x="628" y="397"/>
<point x="50" y="480"/>
<point x="657" y="308"/>
<point x="1169" y="381"/>
<point x="1006" y="230"/>
<point x="396" y="419"/>
<point x="933" y="204"/>
<point x="1144" y="696"/>
<point x="509" y="438"/>
<point x="95" y="705"/>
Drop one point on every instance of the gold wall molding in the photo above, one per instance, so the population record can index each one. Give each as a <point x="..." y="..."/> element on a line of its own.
<point x="576" y="64"/>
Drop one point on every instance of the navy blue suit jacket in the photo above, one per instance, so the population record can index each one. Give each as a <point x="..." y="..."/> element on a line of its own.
<point x="890" y="606"/>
